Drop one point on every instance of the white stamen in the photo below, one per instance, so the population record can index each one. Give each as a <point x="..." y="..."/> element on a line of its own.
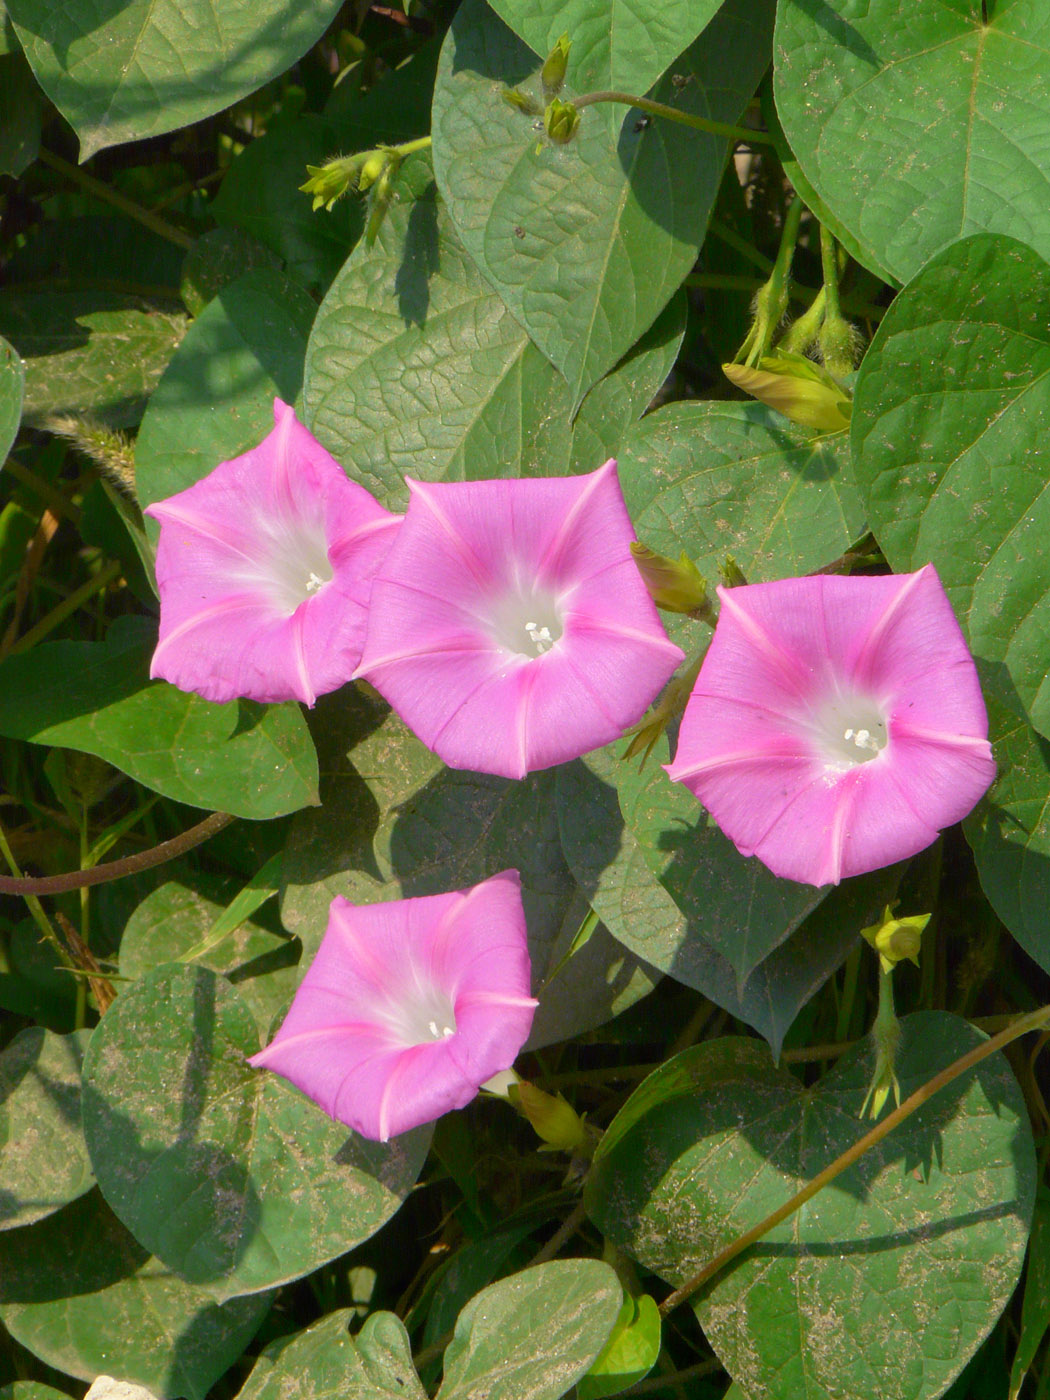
<point x="313" y="583"/>
<point x="432" y="1027"/>
<point x="540" y="636"/>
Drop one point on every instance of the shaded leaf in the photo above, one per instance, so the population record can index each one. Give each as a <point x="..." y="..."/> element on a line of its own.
<point x="216" y="399"/>
<point x="12" y="388"/>
<point x="247" y="759"/>
<point x="931" y="1222"/>
<point x="326" y="1363"/>
<point x="130" y="70"/>
<point x="43" y="1160"/>
<point x="79" y="1292"/>
<point x="234" y="1178"/>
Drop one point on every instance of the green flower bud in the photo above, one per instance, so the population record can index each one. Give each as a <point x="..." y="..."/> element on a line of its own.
<point x="521" y="102"/>
<point x="731" y="574"/>
<point x="552" y="74"/>
<point x="797" y="388"/>
<point x="674" y="585"/>
<point x="560" y="121"/>
<point x="555" y="1120"/>
<point x="374" y="165"/>
<point x="330" y="181"/>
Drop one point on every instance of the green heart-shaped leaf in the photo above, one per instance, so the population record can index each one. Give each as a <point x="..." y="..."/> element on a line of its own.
<point x="887" y="1281"/>
<point x="232" y="1177"/>
<point x="920" y="122"/>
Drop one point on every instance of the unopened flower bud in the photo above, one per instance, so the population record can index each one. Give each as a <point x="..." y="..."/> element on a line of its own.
<point x="372" y="169"/>
<point x="552" y="75"/>
<point x="896" y="939"/>
<point x="521" y="101"/>
<point x="731" y="574"/>
<point x="555" y="1120"/>
<point x="839" y="344"/>
<point x="330" y="181"/>
<point x="560" y="121"/>
<point x="674" y="585"/>
<point x="795" y="387"/>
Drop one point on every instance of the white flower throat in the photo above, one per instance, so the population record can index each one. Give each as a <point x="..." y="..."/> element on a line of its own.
<point x="850" y="729"/>
<point x="528" y="624"/>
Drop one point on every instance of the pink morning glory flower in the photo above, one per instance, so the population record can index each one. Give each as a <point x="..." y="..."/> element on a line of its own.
<point x="409" y="1007"/>
<point x="264" y="569"/>
<point x="837" y="724"/>
<point x="509" y="626"/>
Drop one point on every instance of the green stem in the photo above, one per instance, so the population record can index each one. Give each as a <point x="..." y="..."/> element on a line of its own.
<point x="740" y="245"/>
<point x="101" y="580"/>
<point x="673" y="114"/>
<point x="829" y="264"/>
<point x="409" y="148"/>
<point x="798" y="291"/>
<point x="115" y="869"/>
<point x="1033" y="1021"/>
<point x="772" y="298"/>
<point x="56" y="502"/>
<point x="90" y="185"/>
<point x="41" y="920"/>
<point x="689" y="1373"/>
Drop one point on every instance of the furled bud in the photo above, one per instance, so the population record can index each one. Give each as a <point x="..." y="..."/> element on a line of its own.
<point x="560" y="121"/>
<point x="552" y="75"/>
<point x="521" y="102"/>
<point x="330" y="181"/>
<point x="674" y="585"/>
<point x="731" y="574"/>
<point x="896" y="939"/>
<point x="374" y="165"/>
<point x="555" y="1120"/>
<point x="795" y="387"/>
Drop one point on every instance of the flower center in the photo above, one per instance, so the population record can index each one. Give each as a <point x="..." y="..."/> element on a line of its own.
<point x="528" y="624"/>
<point x="426" y="1019"/>
<point x="297" y="567"/>
<point x="851" y="729"/>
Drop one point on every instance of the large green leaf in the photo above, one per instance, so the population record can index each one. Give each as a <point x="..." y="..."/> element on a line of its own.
<point x="215" y="400"/>
<point x="889" y="1279"/>
<point x="326" y="1363"/>
<point x="585" y="242"/>
<point x="732" y="903"/>
<point x="12" y="388"/>
<point x="608" y="861"/>
<point x="43" y="1159"/>
<point x="625" y="44"/>
<point x="1035" y="1314"/>
<point x="533" y="1334"/>
<point x="180" y="914"/>
<point x="416" y="366"/>
<point x="951" y="443"/>
<point x="919" y="122"/>
<point x="121" y="72"/>
<point x="251" y="760"/>
<point x="396" y="823"/>
<point x="734" y="478"/>
<point x="88" y="350"/>
<point x="81" y="1293"/>
<point x="1010" y="832"/>
<point x="235" y="1179"/>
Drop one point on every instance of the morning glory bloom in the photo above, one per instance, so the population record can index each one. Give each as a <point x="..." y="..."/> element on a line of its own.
<point x="264" y="569"/>
<point x="409" y="1007"/>
<point x="509" y="626"/>
<point x="837" y="724"/>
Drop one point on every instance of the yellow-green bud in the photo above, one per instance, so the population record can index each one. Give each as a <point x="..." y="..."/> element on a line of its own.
<point x="552" y="74"/>
<point x="731" y="574"/>
<point x="795" y="387"/>
<point x="372" y="168"/>
<point x="896" y="939"/>
<point x="674" y="585"/>
<point x="330" y="181"/>
<point x="521" y="102"/>
<point x="555" y="1120"/>
<point x="560" y="121"/>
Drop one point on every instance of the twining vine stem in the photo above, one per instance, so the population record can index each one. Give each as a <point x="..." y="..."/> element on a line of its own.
<point x="674" y="114"/>
<point x="1032" y="1021"/>
<point x="117" y="869"/>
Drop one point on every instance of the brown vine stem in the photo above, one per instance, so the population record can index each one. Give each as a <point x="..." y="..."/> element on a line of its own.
<point x="117" y="869"/>
<point x="90" y="185"/>
<point x="1032" y="1021"/>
